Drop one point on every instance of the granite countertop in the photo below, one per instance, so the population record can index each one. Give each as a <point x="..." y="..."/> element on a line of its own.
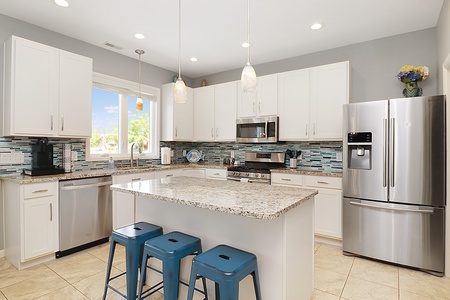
<point x="302" y="171"/>
<point x="20" y="178"/>
<point x="258" y="201"/>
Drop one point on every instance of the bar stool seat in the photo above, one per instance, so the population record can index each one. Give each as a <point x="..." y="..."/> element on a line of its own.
<point x="226" y="266"/>
<point x="133" y="238"/>
<point x="170" y="248"/>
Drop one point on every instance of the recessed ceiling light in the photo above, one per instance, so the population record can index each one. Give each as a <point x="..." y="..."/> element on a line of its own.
<point x="194" y="59"/>
<point x="139" y="36"/>
<point x="62" y="3"/>
<point x="316" y="26"/>
<point x="246" y="45"/>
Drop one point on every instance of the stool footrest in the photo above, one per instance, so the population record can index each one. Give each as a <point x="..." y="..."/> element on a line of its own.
<point x="153" y="289"/>
<point x="117" y="291"/>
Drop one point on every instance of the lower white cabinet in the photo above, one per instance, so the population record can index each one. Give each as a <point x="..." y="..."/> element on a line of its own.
<point x="168" y="173"/>
<point x="328" y="203"/>
<point x="123" y="203"/>
<point x="31" y="222"/>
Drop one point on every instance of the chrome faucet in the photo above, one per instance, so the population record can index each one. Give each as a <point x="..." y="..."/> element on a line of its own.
<point x="131" y="150"/>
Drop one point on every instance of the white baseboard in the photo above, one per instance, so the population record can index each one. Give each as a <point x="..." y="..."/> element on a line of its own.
<point x="327" y="240"/>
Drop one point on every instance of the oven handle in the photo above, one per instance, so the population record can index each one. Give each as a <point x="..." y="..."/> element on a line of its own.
<point x="84" y="186"/>
<point x="250" y="180"/>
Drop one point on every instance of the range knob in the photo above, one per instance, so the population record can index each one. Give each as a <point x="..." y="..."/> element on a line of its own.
<point x="247" y="174"/>
<point x="257" y="175"/>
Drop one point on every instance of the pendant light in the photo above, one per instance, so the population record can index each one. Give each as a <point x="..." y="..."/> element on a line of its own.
<point x="139" y="103"/>
<point x="248" y="76"/>
<point x="179" y="89"/>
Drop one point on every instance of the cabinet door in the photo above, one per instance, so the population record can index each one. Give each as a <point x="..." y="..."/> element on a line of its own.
<point x="293" y="105"/>
<point x="267" y="95"/>
<point x="225" y="111"/>
<point x="204" y="114"/>
<point x="328" y="213"/>
<point x="33" y="105"/>
<point x="246" y="103"/>
<point x="123" y="203"/>
<point x="329" y="92"/>
<point x="39" y="226"/>
<point x="183" y="118"/>
<point x="75" y="90"/>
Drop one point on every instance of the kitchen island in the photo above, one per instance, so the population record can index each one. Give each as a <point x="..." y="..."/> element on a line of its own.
<point x="275" y="223"/>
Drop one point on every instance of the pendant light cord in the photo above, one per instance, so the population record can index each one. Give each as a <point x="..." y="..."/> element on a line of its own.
<point x="248" y="31"/>
<point x="139" y="75"/>
<point x="179" y="39"/>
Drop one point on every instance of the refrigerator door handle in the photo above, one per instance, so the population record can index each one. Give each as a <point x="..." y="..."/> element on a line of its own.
<point x="392" y="151"/>
<point x="419" y="209"/>
<point x="385" y="136"/>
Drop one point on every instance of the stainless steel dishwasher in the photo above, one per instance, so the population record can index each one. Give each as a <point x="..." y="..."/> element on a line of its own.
<point x="85" y="213"/>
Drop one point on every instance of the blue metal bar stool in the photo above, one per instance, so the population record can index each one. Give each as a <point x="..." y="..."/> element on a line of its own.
<point x="170" y="248"/>
<point x="133" y="238"/>
<point x="226" y="266"/>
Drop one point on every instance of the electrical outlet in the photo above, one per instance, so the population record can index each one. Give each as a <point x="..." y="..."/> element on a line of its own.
<point x="338" y="156"/>
<point x="184" y="152"/>
<point x="172" y="153"/>
<point x="74" y="155"/>
<point x="232" y="154"/>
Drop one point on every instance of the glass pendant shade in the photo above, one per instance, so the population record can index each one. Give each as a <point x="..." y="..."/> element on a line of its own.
<point x="180" y="93"/>
<point x="248" y="79"/>
<point x="139" y="104"/>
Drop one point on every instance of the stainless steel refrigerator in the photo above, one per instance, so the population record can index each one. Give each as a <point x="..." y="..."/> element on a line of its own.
<point x="394" y="168"/>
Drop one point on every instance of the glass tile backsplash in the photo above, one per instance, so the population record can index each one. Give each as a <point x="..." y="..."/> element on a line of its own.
<point x="315" y="156"/>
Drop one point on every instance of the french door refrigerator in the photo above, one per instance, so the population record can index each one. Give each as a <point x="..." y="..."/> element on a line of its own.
<point x="394" y="168"/>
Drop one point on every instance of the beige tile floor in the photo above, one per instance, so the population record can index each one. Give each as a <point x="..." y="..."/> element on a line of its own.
<point x="81" y="276"/>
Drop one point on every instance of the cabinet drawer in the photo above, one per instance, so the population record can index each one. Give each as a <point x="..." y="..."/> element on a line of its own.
<point x="287" y="179"/>
<point x="125" y="178"/>
<point x="216" y="174"/>
<point x="36" y="190"/>
<point x="323" y="182"/>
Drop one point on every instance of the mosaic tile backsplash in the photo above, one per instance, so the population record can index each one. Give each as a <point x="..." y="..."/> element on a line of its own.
<point x="315" y="156"/>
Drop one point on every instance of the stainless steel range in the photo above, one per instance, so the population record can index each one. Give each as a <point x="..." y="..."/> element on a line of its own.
<point x="257" y="167"/>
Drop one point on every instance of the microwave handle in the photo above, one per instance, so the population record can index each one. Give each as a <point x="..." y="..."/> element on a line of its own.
<point x="265" y="130"/>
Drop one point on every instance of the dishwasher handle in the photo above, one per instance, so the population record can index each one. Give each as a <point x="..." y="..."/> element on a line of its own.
<point x="84" y="186"/>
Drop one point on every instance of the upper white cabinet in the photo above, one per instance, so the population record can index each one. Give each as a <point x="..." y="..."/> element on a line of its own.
<point x="47" y="91"/>
<point x="215" y="112"/>
<point x="262" y="103"/>
<point x="177" y="118"/>
<point x="310" y="102"/>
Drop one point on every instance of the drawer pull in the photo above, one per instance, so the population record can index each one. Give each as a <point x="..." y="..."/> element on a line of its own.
<point x="135" y="179"/>
<point x="40" y="191"/>
<point x="169" y="175"/>
<point x="286" y="179"/>
<point x="216" y="174"/>
<point x="322" y="182"/>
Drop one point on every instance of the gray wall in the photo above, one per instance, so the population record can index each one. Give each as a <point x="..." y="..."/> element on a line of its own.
<point x="443" y="39"/>
<point x="373" y="65"/>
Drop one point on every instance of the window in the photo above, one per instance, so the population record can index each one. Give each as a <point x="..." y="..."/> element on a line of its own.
<point x="116" y="123"/>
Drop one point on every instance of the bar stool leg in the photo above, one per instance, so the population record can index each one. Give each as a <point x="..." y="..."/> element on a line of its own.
<point x="132" y="275"/>
<point x="255" y="276"/>
<point x="171" y="278"/>
<point x="192" y="280"/>
<point x="112" y="247"/>
<point x="143" y="274"/>
<point x="229" y="290"/>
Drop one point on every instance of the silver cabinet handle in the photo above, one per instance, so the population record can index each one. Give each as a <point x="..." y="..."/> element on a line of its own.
<point x="259" y="106"/>
<point x="62" y="123"/>
<point x="135" y="179"/>
<point x="169" y="175"/>
<point x="39" y="191"/>
<point x="212" y="132"/>
<point x="323" y="182"/>
<point x="51" y="212"/>
<point x="384" y="152"/>
<point x="286" y="179"/>
<point x="216" y="174"/>
<point x="253" y="107"/>
<point x="314" y="129"/>
<point x="306" y="131"/>
<point x="176" y="132"/>
<point x="217" y="132"/>
<point x="51" y="122"/>
<point x="420" y="209"/>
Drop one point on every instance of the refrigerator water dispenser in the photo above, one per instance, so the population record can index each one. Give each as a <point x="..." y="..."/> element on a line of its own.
<point x="359" y="150"/>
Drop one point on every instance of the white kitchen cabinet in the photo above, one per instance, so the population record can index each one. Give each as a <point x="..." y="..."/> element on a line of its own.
<point x="217" y="174"/>
<point x="204" y="128"/>
<point x="31" y="222"/>
<point x="123" y="204"/>
<point x="310" y="102"/>
<point x="47" y="91"/>
<point x="176" y="118"/>
<point x="215" y="112"/>
<point x="329" y="92"/>
<point x="262" y="103"/>
<point x="328" y="202"/>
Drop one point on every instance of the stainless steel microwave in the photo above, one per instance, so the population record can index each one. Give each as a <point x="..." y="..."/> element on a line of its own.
<point x="257" y="130"/>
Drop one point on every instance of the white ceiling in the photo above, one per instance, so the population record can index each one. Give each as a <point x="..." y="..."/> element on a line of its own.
<point x="213" y="30"/>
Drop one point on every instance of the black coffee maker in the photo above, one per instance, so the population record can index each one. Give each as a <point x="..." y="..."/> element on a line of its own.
<point x="42" y="159"/>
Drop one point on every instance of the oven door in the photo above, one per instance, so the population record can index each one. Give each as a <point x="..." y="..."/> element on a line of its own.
<point x="257" y="130"/>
